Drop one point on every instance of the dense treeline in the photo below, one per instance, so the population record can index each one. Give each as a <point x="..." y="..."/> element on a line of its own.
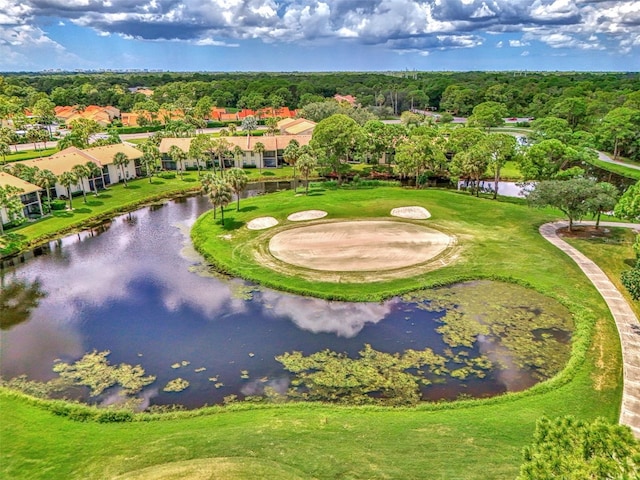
<point x="578" y="96"/>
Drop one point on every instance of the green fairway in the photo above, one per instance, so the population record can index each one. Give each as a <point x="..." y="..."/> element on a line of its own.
<point x="476" y="439"/>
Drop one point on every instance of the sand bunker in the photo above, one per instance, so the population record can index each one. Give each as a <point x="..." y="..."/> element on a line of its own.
<point x="261" y="223"/>
<point x="415" y="213"/>
<point x="306" y="215"/>
<point x="354" y="246"/>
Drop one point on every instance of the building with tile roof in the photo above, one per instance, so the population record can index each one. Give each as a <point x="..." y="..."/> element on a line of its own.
<point x="30" y="197"/>
<point x="66" y="159"/>
<point x="296" y="126"/>
<point x="272" y="156"/>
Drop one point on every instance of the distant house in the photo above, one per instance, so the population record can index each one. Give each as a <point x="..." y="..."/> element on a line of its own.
<point x="299" y="126"/>
<point x="103" y="115"/>
<point x="272" y="156"/>
<point x="66" y="159"/>
<point x="350" y="99"/>
<point x="30" y="197"/>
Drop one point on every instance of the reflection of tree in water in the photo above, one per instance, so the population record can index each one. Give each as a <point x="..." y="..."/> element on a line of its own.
<point x="17" y="300"/>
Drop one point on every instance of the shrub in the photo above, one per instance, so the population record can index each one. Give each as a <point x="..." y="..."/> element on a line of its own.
<point x="167" y="175"/>
<point x="58" y="204"/>
<point x="631" y="281"/>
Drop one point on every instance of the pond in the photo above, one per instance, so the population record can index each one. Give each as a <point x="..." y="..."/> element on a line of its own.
<point x="136" y="288"/>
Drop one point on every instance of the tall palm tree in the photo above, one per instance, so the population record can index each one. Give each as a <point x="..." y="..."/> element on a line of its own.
<point x="67" y="179"/>
<point x="237" y="179"/>
<point x="151" y="157"/>
<point x="291" y="154"/>
<point x="221" y="147"/>
<point x="219" y="192"/>
<point x="238" y="153"/>
<point x="11" y="203"/>
<point x="259" y="148"/>
<point x="177" y="155"/>
<point x="121" y="160"/>
<point x="81" y="172"/>
<point x="4" y="150"/>
<point x="93" y="172"/>
<point x="306" y="163"/>
<point x="46" y="179"/>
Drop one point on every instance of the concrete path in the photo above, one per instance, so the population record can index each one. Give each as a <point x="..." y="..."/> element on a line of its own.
<point x="626" y="321"/>
<point x="606" y="158"/>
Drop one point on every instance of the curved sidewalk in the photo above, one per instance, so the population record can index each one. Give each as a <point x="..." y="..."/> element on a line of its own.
<point x="626" y="321"/>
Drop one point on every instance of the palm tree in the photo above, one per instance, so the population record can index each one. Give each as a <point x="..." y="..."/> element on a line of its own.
<point x="150" y="157"/>
<point x="121" y="160"/>
<point x="237" y="179"/>
<point x="259" y="148"/>
<point x="291" y="154"/>
<point x="81" y="172"/>
<point x="67" y="179"/>
<point x="46" y="179"/>
<point x="11" y="203"/>
<point x="238" y="153"/>
<point x="219" y="193"/>
<point x="177" y="155"/>
<point x="233" y="128"/>
<point x="306" y="163"/>
<point x="221" y="147"/>
<point x="4" y="150"/>
<point x="93" y="172"/>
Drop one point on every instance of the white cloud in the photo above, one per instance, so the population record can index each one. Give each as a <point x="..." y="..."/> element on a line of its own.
<point x="525" y="53"/>
<point x="500" y="44"/>
<point x="401" y="25"/>
<point x="518" y="43"/>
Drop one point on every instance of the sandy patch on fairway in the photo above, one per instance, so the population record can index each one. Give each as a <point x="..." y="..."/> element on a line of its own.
<point x="415" y="213"/>
<point x="358" y="246"/>
<point x="307" y="215"/>
<point x="261" y="223"/>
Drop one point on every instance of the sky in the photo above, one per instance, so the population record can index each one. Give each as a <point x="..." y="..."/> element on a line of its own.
<point x="320" y="35"/>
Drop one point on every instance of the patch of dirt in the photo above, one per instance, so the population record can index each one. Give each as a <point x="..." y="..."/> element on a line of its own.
<point x="585" y="231"/>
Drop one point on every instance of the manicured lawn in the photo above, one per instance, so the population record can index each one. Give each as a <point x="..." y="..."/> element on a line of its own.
<point x="29" y="154"/>
<point x="465" y="440"/>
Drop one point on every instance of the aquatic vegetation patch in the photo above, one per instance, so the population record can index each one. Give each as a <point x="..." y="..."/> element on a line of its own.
<point x="508" y="324"/>
<point x="176" y="385"/>
<point x="93" y="370"/>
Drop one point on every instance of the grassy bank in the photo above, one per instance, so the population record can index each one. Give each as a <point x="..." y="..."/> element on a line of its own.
<point x="464" y="440"/>
<point x="617" y="168"/>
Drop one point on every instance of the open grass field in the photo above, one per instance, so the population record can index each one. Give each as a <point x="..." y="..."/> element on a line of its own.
<point x="479" y="439"/>
<point x="29" y="154"/>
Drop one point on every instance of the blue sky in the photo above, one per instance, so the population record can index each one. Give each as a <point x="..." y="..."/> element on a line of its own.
<point x="320" y="35"/>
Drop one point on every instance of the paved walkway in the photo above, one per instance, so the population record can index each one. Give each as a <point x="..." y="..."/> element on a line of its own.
<point x="626" y="321"/>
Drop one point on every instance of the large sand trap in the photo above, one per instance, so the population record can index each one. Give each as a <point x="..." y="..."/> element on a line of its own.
<point x="307" y="215"/>
<point x="355" y="246"/>
<point x="415" y="213"/>
<point x="261" y="223"/>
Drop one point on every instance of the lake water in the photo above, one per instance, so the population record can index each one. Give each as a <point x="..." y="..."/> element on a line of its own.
<point x="138" y="289"/>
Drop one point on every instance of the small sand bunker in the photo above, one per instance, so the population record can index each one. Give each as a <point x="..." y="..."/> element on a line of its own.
<point x="415" y="213"/>
<point x="306" y="215"/>
<point x="261" y="223"/>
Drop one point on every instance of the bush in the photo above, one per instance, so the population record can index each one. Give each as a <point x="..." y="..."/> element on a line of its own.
<point x="631" y="281"/>
<point x="167" y="175"/>
<point x="58" y="204"/>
